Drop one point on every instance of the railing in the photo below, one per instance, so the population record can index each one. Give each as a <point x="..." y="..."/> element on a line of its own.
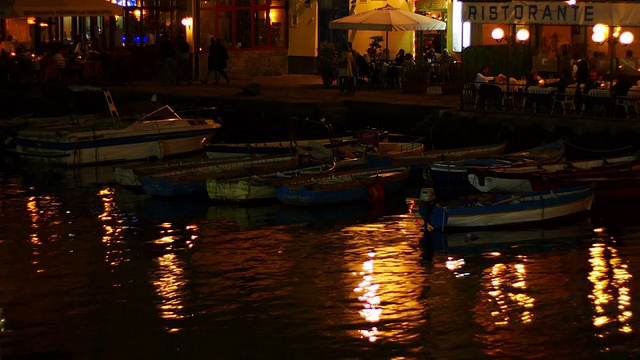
<point x="549" y="100"/>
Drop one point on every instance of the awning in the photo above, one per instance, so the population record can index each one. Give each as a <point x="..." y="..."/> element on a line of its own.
<point x="57" y="8"/>
<point x="552" y="13"/>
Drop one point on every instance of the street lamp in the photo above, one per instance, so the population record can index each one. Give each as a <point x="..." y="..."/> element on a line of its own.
<point x="499" y="35"/>
<point x="613" y="35"/>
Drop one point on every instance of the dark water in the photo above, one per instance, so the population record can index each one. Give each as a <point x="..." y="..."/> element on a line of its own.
<point x="89" y="270"/>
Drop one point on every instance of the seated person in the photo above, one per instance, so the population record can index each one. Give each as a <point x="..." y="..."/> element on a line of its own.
<point x="629" y="64"/>
<point x="483" y="76"/>
<point x="399" y="57"/>
<point x="532" y="78"/>
<point x="408" y="57"/>
<point x="594" y="82"/>
<point x="565" y="80"/>
<point x="623" y="84"/>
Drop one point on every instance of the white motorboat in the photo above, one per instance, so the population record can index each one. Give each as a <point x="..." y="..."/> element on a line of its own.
<point x="110" y="138"/>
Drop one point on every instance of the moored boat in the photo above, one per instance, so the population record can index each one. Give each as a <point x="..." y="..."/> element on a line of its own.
<point x="260" y="187"/>
<point x="519" y="178"/>
<point x="418" y="162"/>
<point x="348" y="186"/>
<point x="451" y="178"/>
<point x="508" y="209"/>
<point x="193" y="183"/>
<point x="110" y="138"/>
<point x="614" y="185"/>
<point x="131" y="175"/>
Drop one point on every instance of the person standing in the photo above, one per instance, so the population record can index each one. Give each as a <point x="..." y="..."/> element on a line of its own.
<point x="217" y="61"/>
<point x="184" y="65"/>
<point x="220" y="61"/>
<point x="82" y="47"/>
<point x="346" y="70"/>
<point x="167" y="53"/>
<point x="7" y="46"/>
<point x="581" y="75"/>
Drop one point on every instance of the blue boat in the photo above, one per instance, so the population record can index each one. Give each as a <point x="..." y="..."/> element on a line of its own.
<point x="372" y="184"/>
<point x="192" y="181"/>
<point x="450" y="179"/>
<point x="508" y="209"/>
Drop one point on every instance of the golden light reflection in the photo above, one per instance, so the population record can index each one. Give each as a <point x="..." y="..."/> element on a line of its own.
<point x="169" y="283"/>
<point x="112" y="226"/>
<point x="610" y="295"/>
<point x="506" y="285"/>
<point x="385" y="286"/>
<point x="43" y="211"/>
<point x="369" y="297"/>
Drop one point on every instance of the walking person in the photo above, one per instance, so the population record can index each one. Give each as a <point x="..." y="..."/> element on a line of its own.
<point x="217" y="61"/>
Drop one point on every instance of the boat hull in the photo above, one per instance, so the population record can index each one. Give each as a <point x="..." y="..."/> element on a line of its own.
<point x="372" y="184"/>
<point x="510" y="209"/>
<point x="245" y="190"/>
<point x="137" y="142"/>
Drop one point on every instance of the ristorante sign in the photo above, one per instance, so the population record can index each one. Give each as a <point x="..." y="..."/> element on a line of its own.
<point x="552" y="13"/>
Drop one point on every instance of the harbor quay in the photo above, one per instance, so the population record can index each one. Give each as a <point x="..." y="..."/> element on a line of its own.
<point x="263" y="105"/>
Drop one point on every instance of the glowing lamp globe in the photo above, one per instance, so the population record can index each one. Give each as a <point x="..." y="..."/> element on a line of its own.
<point x="497" y="34"/>
<point x="522" y="35"/>
<point x="600" y="28"/>
<point x="598" y="37"/>
<point x="626" y="38"/>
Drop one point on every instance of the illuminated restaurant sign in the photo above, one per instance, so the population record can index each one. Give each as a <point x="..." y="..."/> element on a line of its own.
<point x="551" y="13"/>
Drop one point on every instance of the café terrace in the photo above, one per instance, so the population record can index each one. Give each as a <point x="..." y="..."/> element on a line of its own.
<point x="589" y="26"/>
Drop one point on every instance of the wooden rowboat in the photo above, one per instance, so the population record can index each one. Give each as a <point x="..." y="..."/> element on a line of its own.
<point x="506" y="209"/>
<point x="342" y="187"/>
<point x="519" y="178"/>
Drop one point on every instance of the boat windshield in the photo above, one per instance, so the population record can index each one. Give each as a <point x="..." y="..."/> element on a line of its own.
<point x="164" y="113"/>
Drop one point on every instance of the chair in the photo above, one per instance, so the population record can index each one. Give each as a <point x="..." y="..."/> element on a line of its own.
<point x="632" y="100"/>
<point x="50" y="70"/>
<point x="470" y="95"/>
<point x="599" y="101"/>
<point x="565" y="100"/>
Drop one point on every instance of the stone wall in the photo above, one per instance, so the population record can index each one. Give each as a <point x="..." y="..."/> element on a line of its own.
<point x="245" y="64"/>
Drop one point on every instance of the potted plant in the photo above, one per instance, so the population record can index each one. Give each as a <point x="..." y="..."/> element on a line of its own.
<point x="416" y="76"/>
<point x="327" y="62"/>
<point x="375" y="42"/>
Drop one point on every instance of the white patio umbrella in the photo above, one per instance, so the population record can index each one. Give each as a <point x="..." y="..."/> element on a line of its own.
<point x="387" y="18"/>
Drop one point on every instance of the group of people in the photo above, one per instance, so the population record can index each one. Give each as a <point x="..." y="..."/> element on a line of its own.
<point x="379" y="66"/>
<point x="177" y="55"/>
<point x="580" y="74"/>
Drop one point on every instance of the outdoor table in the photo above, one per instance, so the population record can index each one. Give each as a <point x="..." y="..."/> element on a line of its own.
<point x="541" y="96"/>
<point x="599" y="101"/>
<point x="513" y="93"/>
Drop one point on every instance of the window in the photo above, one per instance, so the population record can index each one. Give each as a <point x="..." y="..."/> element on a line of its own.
<point x="244" y="24"/>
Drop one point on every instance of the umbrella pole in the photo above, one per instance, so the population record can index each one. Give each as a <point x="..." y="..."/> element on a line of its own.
<point x="386" y="44"/>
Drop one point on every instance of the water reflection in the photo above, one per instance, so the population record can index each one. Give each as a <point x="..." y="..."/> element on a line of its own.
<point x="113" y="226"/>
<point x="387" y="289"/>
<point x="368" y="290"/>
<point x="610" y="295"/>
<point x="170" y="282"/>
<point x="506" y="285"/>
<point x="44" y="211"/>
